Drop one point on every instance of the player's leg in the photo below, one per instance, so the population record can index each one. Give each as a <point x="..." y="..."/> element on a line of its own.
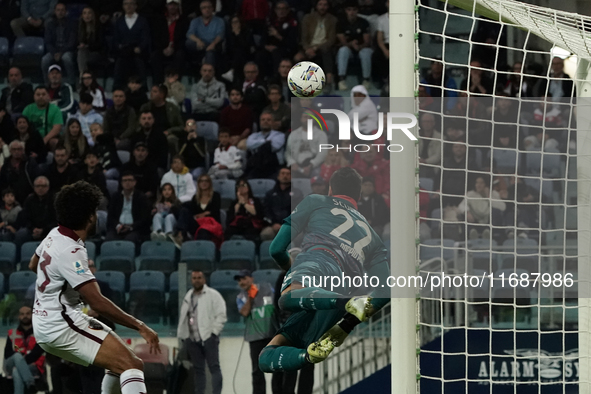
<point x="280" y="355"/>
<point x="296" y="298"/>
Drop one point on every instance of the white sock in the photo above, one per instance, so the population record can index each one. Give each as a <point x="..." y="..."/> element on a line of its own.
<point x="132" y="382"/>
<point x="110" y="383"/>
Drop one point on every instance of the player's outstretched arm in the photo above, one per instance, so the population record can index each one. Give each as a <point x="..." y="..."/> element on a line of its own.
<point x="278" y="248"/>
<point x="34" y="263"/>
<point x="91" y="293"/>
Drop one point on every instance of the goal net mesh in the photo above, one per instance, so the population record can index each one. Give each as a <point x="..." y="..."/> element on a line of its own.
<point x="504" y="197"/>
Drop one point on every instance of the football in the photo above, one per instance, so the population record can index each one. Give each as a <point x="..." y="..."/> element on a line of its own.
<point x="306" y="79"/>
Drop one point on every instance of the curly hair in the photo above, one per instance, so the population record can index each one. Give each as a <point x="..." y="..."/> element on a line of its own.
<point x="346" y="181"/>
<point x="76" y="203"/>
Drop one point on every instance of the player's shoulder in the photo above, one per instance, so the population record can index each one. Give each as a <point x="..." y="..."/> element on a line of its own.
<point x="65" y="245"/>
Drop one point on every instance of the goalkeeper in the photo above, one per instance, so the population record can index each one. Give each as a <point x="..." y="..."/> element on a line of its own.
<point x="337" y="240"/>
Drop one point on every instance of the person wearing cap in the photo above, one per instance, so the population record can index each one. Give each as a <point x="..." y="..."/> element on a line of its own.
<point x="60" y="92"/>
<point x="145" y="171"/>
<point x="279" y="202"/>
<point x="60" y="42"/>
<point x="303" y="155"/>
<point x="319" y="186"/>
<point x="255" y="303"/>
<point x="201" y="320"/>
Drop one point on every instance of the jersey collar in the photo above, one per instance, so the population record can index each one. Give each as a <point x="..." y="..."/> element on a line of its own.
<point x="348" y="199"/>
<point x="68" y="233"/>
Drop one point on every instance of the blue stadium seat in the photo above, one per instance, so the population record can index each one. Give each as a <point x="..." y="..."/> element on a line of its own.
<point x="208" y="130"/>
<point x="157" y="256"/>
<point x="27" y="251"/>
<point x="123" y="156"/>
<point x="265" y="259"/>
<point x="226" y="188"/>
<point x="26" y="54"/>
<point x="199" y="255"/>
<point x="533" y="161"/>
<point x="117" y="256"/>
<point x="504" y="160"/>
<point x="146" y="295"/>
<point x="261" y="186"/>
<point x="237" y="254"/>
<point x="112" y="186"/>
<point x="116" y="281"/>
<point x="480" y="244"/>
<point x="19" y="283"/>
<point x="426" y="184"/>
<point x="223" y="281"/>
<point x="29" y="46"/>
<point x="90" y="249"/>
<point x="432" y="248"/>
<point x="7" y="257"/>
<point x="223" y="218"/>
<point x="4" y="46"/>
<point x="302" y="184"/>
<point x="1" y="285"/>
<point x="268" y="276"/>
<point x="551" y="166"/>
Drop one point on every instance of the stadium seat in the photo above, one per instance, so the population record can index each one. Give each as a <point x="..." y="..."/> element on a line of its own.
<point x="146" y="295"/>
<point x="551" y="166"/>
<point x="199" y="255"/>
<point x="480" y="244"/>
<point x="432" y="248"/>
<point x="4" y="54"/>
<point x="90" y="249"/>
<point x="265" y="259"/>
<point x="123" y="156"/>
<point x="117" y="256"/>
<point x="156" y="367"/>
<point x="527" y="263"/>
<point x="27" y="53"/>
<point x="237" y="254"/>
<point x="504" y="160"/>
<point x="208" y="130"/>
<point x="522" y="245"/>
<point x="223" y="281"/>
<point x="426" y="184"/>
<point x="260" y="187"/>
<point x="266" y="276"/>
<point x="303" y="185"/>
<point x="19" y="283"/>
<point x="227" y="190"/>
<point x="1" y="286"/>
<point x="116" y="281"/>
<point x="112" y="186"/>
<point x="173" y="300"/>
<point x="223" y="218"/>
<point x="157" y="256"/>
<point x="533" y="161"/>
<point x="7" y="257"/>
<point x="27" y="251"/>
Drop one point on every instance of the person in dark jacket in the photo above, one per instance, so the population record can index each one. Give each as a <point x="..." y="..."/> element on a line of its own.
<point x="144" y="171"/>
<point x="38" y="215"/>
<point x="135" y="94"/>
<point x="193" y="149"/>
<point x="132" y="44"/>
<point x="91" y="41"/>
<point x="245" y="215"/>
<point x="18" y="172"/>
<point x="17" y="95"/>
<point x="129" y="214"/>
<point x="153" y="137"/>
<point x="372" y="205"/>
<point x="60" y="43"/>
<point x="105" y="150"/>
<point x="120" y="120"/>
<point x="279" y="202"/>
<point x="93" y="174"/>
<point x="61" y="172"/>
<point x="34" y="145"/>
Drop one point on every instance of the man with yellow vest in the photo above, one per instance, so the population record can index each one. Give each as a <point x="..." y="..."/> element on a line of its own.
<point x="23" y="357"/>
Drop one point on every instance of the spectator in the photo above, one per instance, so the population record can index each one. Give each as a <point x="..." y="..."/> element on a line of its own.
<point x="193" y="149"/>
<point x="561" y="85"/>
<point x="429" y="146"/>
<point x="365" y="107"/>
<point x="381" y="56"/>
<point x="93" y="174"/>
<point x="453" y="181"/>
<point x="371" y="164"/>
<point x="60" y="43"/>
<point x="254" y="14"/>
<point x="208" y="95"/>
<point x="372" y="205"/>
<point x="86" y="115"/>
<point x="61" y="172"/>
<point x="180" y="178"/>
<point x="319" y="32"/>
<point x="132" y="43"/>
<point x="4" y="152"/>
<point x="319" y="186"/>
<point x="255" y="94"/>
<point x="136" y="93"/>
<point x="205" y="35"/>
<point x="75" y="142"/>
<point x="260" y="321"/>
<point x="9" y="215"/>
<point x="10" y="10"/>
<point x="24" y="360"/>
<point x="91" y="41"/>
<point x="129" y="213"/>
<point x="17" y="95"/>
<point x="153" y="138"/>
<point x="166" y="212"/>
<point x="18" y="171"/>
<point x="175" y="87"/>
<point x="89" y="84"/>
<point x="61" y="93"/>
<point x="34" y="14"/>
<point x="167" y="116"/>
<point x="237" y="118"/>
<point x="482" y="206"/>
<point x="302" y="155"/>
<point x="202" y="318"/>
<point x="245" y="215"/>
<point x="239" y="48"/>
<point x="522" y="206"/>
<point x="38" y="215"/>
<point x="280" y="79"/>
<point x="265" y="150"/>
<point x="440" y="85"/>
<point x="479" y="82"/>
<point x="168" y="38"/>
<point x="144" y="171"/>
<point x="334" y="160"/>
<point x="281" y="38"/>
<point x="281" y="112"/>
<point x="517" y="85"/>
<point x="45" y="117"/>
<point x="205" y="204"/>
<point x="354" y="40"/>
<point x="279" y="202"/>
<point x="227" y="162"/>
<point x="120" y="120"/>
<point x="105" y="150"/>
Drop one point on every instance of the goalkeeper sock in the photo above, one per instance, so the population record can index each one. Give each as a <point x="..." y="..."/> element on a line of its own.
<point x="110" y="384"/>
<point x="311" y="299"/>
<point x="282" y="358"/>
<point x="132" y="382"/>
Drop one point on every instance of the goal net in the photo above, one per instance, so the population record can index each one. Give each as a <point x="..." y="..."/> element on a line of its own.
<point x="504" y="201"/>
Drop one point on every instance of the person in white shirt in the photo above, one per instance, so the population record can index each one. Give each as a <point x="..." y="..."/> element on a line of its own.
<point x="63" y="276"/>
<point x="202" y="318"/>
<point x="181" y="179"/>
<point x="303" y="155"/>
<point x="227" y="160"/>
